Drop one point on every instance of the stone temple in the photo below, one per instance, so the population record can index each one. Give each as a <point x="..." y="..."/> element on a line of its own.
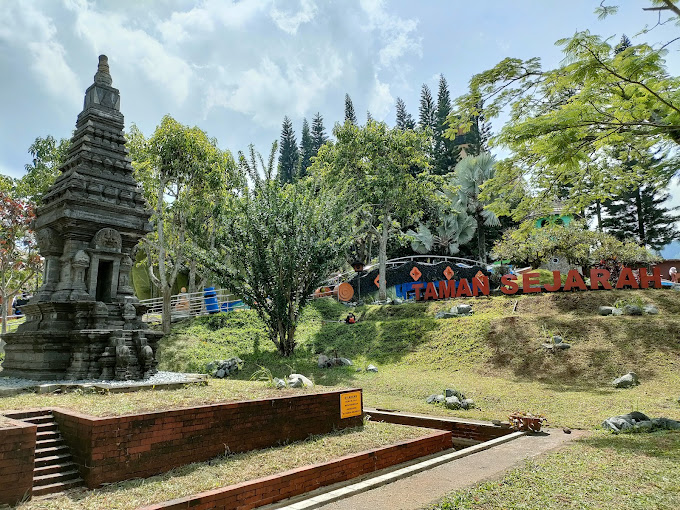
<point x="85" y="322"/>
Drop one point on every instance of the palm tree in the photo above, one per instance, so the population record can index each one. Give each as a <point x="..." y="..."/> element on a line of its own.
<point x="455" y="230"/>
<point x="471" y="172"/>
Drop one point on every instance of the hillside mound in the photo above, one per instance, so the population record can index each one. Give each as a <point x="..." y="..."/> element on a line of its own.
<point x="502" y="337"/>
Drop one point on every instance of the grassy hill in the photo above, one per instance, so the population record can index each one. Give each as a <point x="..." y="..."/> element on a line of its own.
<point x="494" y="356"/>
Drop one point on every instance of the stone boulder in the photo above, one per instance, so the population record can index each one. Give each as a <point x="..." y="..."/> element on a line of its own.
<point x="224" y="368"/>
<point x="626" y="381"/>
<point x="632" y="310"/>
<point x="371" y="368"/>
<point x="606" y="310"/>
<point x="453" y="403"/>
<point x="650" y="310"/>
<point x="461" y="310"/>
<point x="279" y="383"/>
<point x="299" y="381"/>
<point x="326" y="362"/>
<point x="639" y="422"/>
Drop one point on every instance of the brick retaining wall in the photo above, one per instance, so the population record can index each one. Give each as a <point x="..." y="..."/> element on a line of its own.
<point x="111" y="449"/>
<point x="464" y="432"/>
<point x="17" y="456"/>
<point x="270" y="489"/>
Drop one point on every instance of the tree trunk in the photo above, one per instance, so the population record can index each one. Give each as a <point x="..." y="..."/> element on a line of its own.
<point x="641" y="225"/>
<point x="3" y="307"/>
<point x="382" y="258"/>
<point x="167" y="310"/>
<point x="481" y="239"/>
<point x="598" y="210"/>
<point x="161" y="259"/>
<point x="192" y="277"/>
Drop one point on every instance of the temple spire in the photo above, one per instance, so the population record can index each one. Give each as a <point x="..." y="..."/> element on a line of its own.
<point x="103" y="75"/>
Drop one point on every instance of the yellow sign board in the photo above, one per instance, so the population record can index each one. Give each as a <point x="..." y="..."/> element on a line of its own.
<point x="350" y="404"/>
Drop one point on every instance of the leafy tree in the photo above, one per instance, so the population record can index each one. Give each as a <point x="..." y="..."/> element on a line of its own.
<point x="349" y="110"/>
<point x="306" y="149"/>
<point x="277" y="243"/>
<point x="318" y="134"/>
<point x="563" y="119"/>
<point x="446" y="152"/>
<point x="427" y="110"/>
<point x="183" y="173"/>
<point x="369" y="117"/>
<point x="372" y="167"/>
<point x="19" y="260"/>
<point x="580" y="246"/>
<point x="289" y="157"/>
<point x="48" y="154"/>
<point x="404" y="119"/>
<point x="471" y="174"/>
<point x="640" y="214"/>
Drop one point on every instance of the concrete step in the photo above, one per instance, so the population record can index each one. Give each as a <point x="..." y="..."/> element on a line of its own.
<point x="42" y="444"/>
<point x="46" y="435"/>
<point x="57" y="487"/>
<point x="53" y="459"/>
<point x="63" y="476"/>
<point x="57" y="467"/>
<point x="40" y="419"/>
<point x="50" y="451"/>
<point x="47" y="426"/>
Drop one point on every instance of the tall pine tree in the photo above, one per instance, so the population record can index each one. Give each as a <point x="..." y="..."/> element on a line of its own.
<point x="426" y="112"/>
<point x="349" y="110"/>
<point x="369" y="117"/>
<point x="306" y="149"/>
<point x="289" y="156"/>
<point x="640" y="214"/>
<point x="404" y="119"/>
<point x="318" y="134"/>
<point x="477" y="139"/>
<point x="446" y="152"/>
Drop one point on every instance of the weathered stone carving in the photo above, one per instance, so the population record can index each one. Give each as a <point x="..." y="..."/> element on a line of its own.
<point x="84" y="322"/>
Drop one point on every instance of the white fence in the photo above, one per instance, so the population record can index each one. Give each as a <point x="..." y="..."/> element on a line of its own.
<point x="191" y="305"/>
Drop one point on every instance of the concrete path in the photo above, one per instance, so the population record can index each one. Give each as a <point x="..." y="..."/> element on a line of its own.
<point x="427" y="487"/>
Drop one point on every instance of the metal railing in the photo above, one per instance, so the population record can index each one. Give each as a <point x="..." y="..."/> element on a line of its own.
<point x="13" y="322"/>
<point x="190" y="305"/>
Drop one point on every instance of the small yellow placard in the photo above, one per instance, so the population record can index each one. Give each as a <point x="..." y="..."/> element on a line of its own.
<point x="350" y="404"/>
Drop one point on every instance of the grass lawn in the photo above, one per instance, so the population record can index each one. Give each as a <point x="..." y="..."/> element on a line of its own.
<point x="231" y="469"/>
<point x="632" y="471"/>
<point x="494" y="357"/>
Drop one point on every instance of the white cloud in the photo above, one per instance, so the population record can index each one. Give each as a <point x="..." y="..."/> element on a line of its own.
<point x="22" y="25"/>
<point x="398" y="35"/>
<point x="291" y="22"/>
<point x="274" y="89"/>
<point x="208" y="17"/>
<point x="381" y="99"/>
<point x="109" y="33"/>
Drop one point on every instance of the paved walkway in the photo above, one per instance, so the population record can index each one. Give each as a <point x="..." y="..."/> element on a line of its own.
<point x="427" y="487"/>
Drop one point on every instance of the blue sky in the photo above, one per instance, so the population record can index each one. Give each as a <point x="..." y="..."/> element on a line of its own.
<point x="235" y="68"/>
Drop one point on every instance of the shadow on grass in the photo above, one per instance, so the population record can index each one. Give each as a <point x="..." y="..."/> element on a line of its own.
<point x="662" y="444"/>
<point x="385" y="341"/>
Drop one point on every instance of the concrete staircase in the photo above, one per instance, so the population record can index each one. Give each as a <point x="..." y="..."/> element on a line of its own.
<point x="54" y="470"/>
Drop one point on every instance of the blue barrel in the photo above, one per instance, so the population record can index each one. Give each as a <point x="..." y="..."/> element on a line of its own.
<point x="211" y="304"/>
